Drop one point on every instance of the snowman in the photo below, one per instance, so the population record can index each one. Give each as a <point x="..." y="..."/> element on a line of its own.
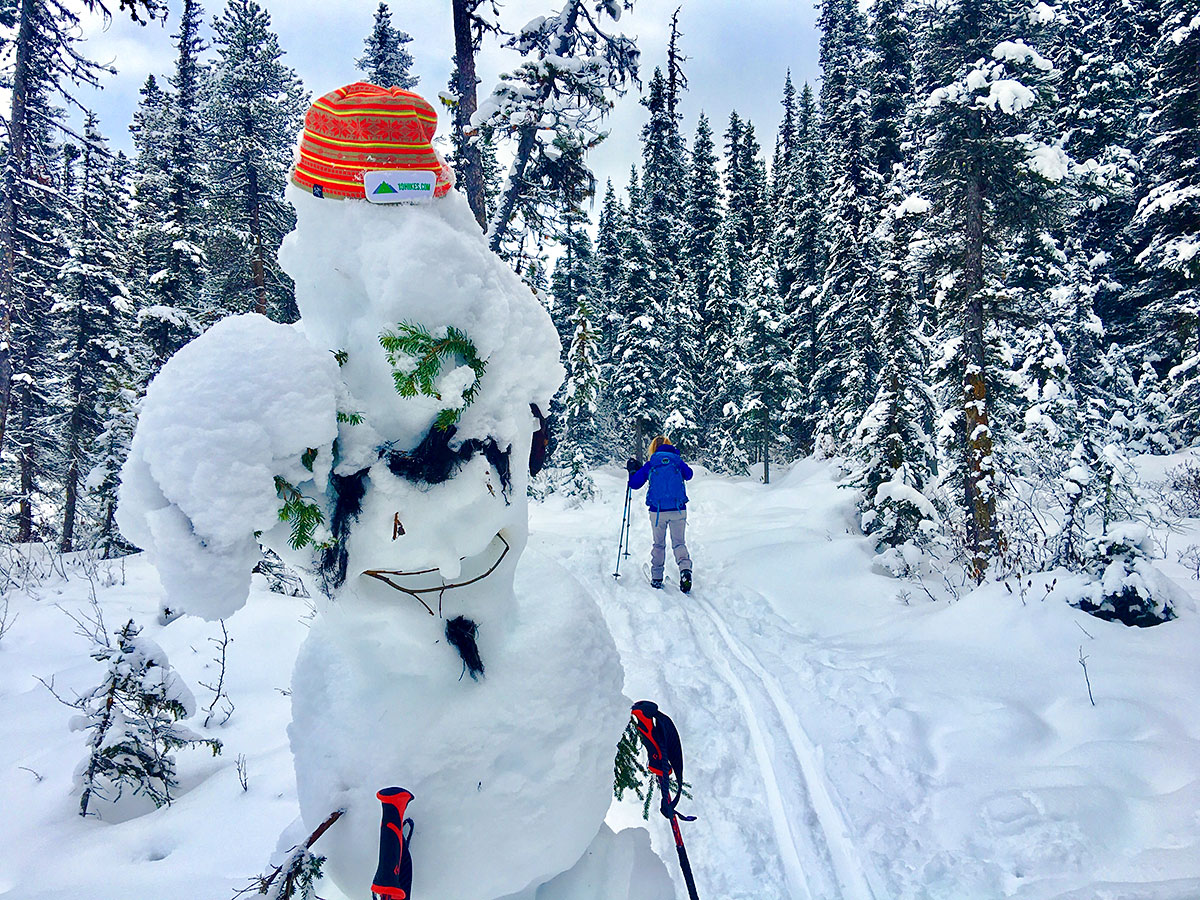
<point x="381" y="445"/>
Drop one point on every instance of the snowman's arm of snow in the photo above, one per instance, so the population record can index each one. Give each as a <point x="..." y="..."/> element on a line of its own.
<point x="248" y="406"/>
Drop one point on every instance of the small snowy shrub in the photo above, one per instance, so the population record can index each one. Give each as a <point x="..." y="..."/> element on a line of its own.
<point x="133" y="719"/>
<point x="1183" y="485"/>
<point x="1126" y="587"/>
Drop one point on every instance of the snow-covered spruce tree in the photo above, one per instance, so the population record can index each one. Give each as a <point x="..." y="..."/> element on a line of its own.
<point x="783" y="173"/>
<point x="41" y="62"/>
<point x="639" y="357"/>
<point x="1152" y="415"/>
<point x="702" y="222"/>
<point x="1101" y="50"/>
<point x="767" y="364"/>
<point x="664" y="193"/>
<point x="132" y="719"/>
<point x="117" y="413"/>
<point x="254" y="108"/>
<point x="30" y="462"/>
<point x="89" y="316"/>
<point x="552" y="107"/>
<point x="149" y="181"/>
<point x="722" y="387"/>
<point x="806" y="260"/>
<point x="1167" y="224"/>
<point x="385" y="60"/>
<point x="573" y="278"/>
<point x="608" y="267"/>
<point x="578" y="446"/>
<point x="1096" y="476"/>
<point x="846" y="359"/>
<point x="982" y="152"/>
<point x="889" y="81"/>
<point x="701" y="259"/>
<point x="895" y="437"/>
<point x="174" y="315"/>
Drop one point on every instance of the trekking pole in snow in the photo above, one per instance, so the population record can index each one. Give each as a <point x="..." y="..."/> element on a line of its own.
<point x="623" y="539"/>
<point x="661" y="740"/>
<point x="393" y="877"/>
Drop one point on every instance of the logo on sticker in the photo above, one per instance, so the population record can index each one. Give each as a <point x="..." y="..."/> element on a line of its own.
<point x="399" y="187"/>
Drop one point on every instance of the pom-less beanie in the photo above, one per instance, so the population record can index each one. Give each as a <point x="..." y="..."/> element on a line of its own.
<point x="362" y="128"/>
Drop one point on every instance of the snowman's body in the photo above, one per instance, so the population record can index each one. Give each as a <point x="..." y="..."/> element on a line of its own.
<point x="511" y="772"/>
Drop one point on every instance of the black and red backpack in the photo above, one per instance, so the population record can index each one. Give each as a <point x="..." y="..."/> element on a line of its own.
<point x="660" y="737"/>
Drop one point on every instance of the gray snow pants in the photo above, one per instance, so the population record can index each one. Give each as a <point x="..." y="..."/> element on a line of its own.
<point x="676" y="520"/>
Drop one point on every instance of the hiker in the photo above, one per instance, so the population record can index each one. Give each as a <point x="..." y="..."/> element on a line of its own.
<point x="667" y="500"/>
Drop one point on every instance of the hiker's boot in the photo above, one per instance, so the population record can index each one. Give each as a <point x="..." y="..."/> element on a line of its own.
<point x="656" y="583"/>
<point x="685" y="580"/>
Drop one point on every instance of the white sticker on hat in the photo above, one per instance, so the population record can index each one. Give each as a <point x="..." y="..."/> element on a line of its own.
<point x="384" y="186"/>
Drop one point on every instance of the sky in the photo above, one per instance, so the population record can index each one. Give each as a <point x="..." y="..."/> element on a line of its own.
<point x="739" y="55"/>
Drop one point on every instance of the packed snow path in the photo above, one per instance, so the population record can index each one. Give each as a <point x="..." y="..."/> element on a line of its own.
<point x="848" y="739"/>
<point x="692" y="655"/>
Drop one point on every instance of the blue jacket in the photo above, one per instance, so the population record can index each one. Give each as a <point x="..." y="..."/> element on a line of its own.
<point x="667" y="472"/>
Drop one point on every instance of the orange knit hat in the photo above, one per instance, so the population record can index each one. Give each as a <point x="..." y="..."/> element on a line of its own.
<point x="362" y="129"/>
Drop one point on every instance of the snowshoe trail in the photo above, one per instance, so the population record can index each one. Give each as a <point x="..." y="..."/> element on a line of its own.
<point x="762" y="758"/>
<point x="856" y="877"/>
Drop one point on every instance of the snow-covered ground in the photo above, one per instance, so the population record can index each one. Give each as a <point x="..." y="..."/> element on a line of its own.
<point x="846" y="735"/>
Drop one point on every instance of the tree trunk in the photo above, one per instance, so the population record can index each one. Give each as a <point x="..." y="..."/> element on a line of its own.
<point x="71" y="495"/>
<point x="257" y="266"/>
<point x="471" y="166"/>
<point x="25" y="465"/>
<point x="766" y="444"/>
<point x="516" y="177"/>
<point x="980" y="480"/>
<point x="14" y="171"/>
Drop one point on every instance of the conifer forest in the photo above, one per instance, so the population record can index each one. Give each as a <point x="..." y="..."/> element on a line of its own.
<point x="967" y="262"/>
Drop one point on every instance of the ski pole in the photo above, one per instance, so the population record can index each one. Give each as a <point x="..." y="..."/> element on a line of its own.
<point x="628" y="521"/>
<point x="623" y="538"/>
<point x="684" y="865"/>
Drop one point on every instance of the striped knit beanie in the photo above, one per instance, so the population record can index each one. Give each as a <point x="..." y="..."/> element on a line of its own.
<point x="364" y="139"/>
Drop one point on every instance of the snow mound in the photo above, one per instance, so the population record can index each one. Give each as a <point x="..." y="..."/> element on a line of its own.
<point x="528" y="748"/>
<point x="236" y="407"/>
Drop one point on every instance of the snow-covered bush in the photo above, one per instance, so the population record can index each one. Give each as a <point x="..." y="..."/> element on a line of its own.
<point x="1183" y="484"/>
<point x="1125" y="585"/>
<point x="133" y="719"/>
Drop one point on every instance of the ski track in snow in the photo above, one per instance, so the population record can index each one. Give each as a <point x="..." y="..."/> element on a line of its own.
<point x="804" y="847"/>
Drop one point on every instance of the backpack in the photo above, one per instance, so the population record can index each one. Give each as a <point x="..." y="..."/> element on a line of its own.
<point x="660" y="737"/>
<point x="666" y="489"/>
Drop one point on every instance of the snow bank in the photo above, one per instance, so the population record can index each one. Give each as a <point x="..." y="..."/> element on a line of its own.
<point x="238" y="406"/>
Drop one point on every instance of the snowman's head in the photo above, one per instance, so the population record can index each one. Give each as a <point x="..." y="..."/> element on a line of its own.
<point x="366" y="142"/>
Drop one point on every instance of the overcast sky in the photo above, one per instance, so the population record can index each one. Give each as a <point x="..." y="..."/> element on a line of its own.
<point x="739" y="54"/>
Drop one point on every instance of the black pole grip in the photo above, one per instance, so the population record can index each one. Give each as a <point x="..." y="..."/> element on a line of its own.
<point x="393" y="877"/>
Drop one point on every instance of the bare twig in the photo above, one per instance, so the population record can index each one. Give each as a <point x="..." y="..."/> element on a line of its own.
<point x="1083" y="662"/>
<point x="242" y="774"/>
<point x="6" y="620"/>
<point x="35" y="775"/>
<point x="1084" y="630"/>
<point x="382" y="575"/>
<point x="218" y="689"/>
